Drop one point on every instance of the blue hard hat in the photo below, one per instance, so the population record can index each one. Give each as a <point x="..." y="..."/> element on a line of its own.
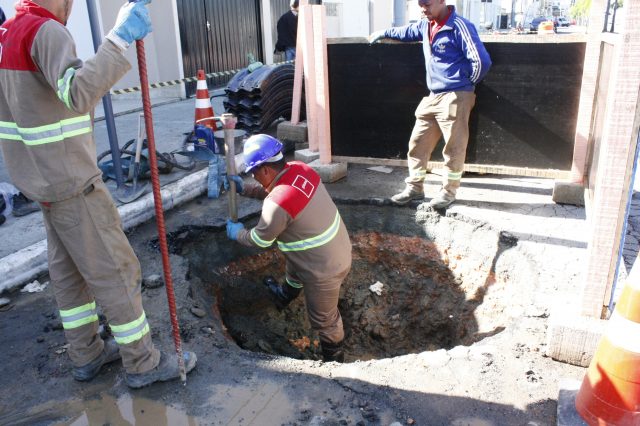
<point x="259" y="149"/>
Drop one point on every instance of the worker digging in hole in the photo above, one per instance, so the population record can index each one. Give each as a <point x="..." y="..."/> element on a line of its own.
<point x="299" y="213"/>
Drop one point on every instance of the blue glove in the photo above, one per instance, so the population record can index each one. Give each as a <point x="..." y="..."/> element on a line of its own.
<point x="233" y="229"/>
<point x="376" y="36"/>
<point x="133" y="23"/>
<point x="237" y="179"/>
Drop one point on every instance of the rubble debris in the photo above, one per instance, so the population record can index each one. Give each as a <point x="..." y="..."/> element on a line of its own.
<point x="376" y="288"/>
<point x="34" y="287"/>
<point x="153" y="281"/>
<point x="200" y="313"/>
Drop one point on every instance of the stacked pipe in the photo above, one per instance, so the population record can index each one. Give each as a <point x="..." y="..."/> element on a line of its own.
<point x="260" y="97"/>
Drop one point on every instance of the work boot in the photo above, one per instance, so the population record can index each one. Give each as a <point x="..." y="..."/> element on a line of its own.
<point x="282" y="295"/>
<point x="442" y="200"/>
<point x="167" y="369"/>
<point x="332" y="351"/>
<point x="22" y="206"/>
<point x="109" y="354"/>
<point x="407" y="195"/>
<point x="2" y="219"/>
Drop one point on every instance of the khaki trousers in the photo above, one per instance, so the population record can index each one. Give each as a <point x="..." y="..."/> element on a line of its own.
<point x="321" y="298"/>
<point x="91" y="260"/>
<point x="443" y="114"/>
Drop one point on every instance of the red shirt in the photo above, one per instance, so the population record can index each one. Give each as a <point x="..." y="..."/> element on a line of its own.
<point x="435" y="25"/>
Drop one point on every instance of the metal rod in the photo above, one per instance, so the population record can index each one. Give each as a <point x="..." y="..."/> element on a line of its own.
<point x="229" y="124"/>
<point x="157" y="198"/>
<point x="106" y="99"/>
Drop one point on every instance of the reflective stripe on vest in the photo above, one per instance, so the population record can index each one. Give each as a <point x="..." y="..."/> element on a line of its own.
<point x="46" y="134"/>
<point x="259" y="241"/>
<point x="76" y="317"/>
<point x="313" y="242"/>
<point x="64" y="85"/>
<point x="293" y="283"/>
<point x="131" y="331"/>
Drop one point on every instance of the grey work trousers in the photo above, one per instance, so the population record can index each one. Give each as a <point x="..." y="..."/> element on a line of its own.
<point x="91" y="260"/>
<point x="442" y="114"/>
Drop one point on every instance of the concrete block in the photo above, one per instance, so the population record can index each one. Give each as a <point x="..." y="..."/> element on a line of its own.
<point x="568" y="193"/>
<point x="572" y="338"/>
<point x="306" y="155"/>
<point x="290" y="132"/>
<point x="329" y="172"/>
<point x="567" y="415"/>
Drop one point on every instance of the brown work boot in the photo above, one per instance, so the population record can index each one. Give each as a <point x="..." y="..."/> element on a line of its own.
<point x="167" y="369"/>
<point x="109" y="354"/>
<point x="442" y="200"/>
<point x="407" y="194"/>
<point x="332" y="351"/>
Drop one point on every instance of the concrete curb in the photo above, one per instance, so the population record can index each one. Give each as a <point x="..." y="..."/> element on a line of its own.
<point x="26" y="264"/>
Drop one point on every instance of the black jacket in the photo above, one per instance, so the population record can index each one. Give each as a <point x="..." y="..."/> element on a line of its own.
<point x="287" y="31"/>
<point x="2" y="17"/>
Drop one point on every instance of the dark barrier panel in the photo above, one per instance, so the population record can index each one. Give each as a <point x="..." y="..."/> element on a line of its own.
<point x="525" y="114"/>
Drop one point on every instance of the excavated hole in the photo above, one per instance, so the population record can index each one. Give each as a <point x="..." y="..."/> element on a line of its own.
<point x="432" y="297"/>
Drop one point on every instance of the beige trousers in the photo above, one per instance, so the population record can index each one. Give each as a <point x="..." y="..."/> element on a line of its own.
<point x="321" y="299"/>
<point x="443" y="114"/>
<point x="91" y="260"/>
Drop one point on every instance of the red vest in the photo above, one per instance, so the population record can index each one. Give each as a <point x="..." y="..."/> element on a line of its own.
<point x="17" y="35"/>
<point x="295" y="188"/>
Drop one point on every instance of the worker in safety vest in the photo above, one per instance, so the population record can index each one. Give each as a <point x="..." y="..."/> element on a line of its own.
<point x="299" y="213"/>
<point x="47" y="96"/>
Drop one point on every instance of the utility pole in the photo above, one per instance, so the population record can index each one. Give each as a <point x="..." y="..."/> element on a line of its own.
<point x="606" y="17"/>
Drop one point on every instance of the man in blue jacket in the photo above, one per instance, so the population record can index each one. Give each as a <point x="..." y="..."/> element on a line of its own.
<point x="456" y="61"/>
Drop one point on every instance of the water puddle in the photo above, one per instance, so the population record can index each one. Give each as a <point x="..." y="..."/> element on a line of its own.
<point x="104" y="410"/>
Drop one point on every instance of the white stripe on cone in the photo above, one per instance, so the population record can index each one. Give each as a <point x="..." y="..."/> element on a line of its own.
<point x="203" y="103"/>
<point x="202" y="85"/>
<point x="623" y="333"/>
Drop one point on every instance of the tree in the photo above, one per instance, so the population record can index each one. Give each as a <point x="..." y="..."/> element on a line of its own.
<point x="580" y="10"/>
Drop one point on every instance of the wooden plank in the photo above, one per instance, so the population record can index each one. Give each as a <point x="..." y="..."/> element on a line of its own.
<point x="298" y="74"/>
<point x="321" y="76"/>
<point x="615" y="165"/>
<point x="472" y="168"/>
<point x="583" y="140"/>
<point x="308" y="60"/>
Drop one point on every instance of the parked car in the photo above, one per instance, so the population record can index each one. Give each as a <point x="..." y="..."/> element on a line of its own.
<point x="535" y="22"/>
<point x="562" y="21"/>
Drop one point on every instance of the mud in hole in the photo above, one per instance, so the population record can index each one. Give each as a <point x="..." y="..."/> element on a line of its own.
<point x="432" y="297"/>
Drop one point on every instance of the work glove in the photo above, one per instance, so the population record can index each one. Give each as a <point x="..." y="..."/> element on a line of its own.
<point x="233" y="229"/>
<point x="133" y="23"/>
<point x="376" y="36"/>
<point x="237" y="179"/>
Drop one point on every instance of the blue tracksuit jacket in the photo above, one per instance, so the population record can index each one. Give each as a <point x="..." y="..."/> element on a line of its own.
<point x="456" y="60"/>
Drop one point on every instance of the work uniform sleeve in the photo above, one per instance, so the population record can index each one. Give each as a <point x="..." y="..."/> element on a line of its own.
<point x="273" y="221"/>
<point x="78" y="85"/>
<point x="252" y="190"/>
<point x="408" y="33"/>
<point x="474" y="50"/>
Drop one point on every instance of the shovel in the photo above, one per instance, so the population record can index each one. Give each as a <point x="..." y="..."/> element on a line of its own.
<point x="127" y="194"/>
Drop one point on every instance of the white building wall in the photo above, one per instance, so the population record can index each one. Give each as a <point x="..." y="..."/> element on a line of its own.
<point x="78" y="25"/>
<point x="162" y="64"/>
<point x="347" y="18"/>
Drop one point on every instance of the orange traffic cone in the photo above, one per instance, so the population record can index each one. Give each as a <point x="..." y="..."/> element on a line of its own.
<point x="610" y="392"/>
<point x="204" y="110"/>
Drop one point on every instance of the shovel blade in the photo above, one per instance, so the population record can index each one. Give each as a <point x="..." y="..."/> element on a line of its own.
<point x="126" y="194"/>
